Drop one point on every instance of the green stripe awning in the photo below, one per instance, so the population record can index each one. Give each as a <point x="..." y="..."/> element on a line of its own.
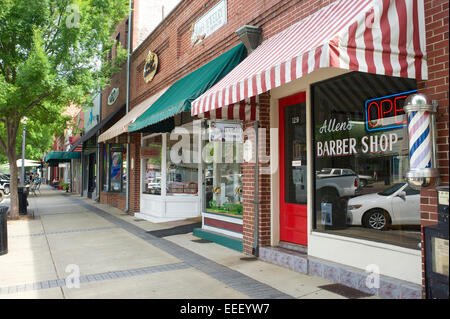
<point x="179" y="96"/>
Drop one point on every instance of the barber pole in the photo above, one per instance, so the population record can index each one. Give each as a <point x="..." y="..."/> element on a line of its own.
<point x="419" y="140"/>
<point x="422" y="160"/>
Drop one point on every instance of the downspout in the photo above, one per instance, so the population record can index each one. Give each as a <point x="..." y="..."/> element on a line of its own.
<point x="251" y="36"/>
<point x="127" y="190"/>
<point x="255" y="249"/>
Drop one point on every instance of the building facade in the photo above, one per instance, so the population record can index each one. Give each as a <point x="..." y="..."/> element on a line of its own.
<point x="325" y="191"/>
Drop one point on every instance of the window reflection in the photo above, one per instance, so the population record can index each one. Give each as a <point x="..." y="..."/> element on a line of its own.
<point x="361" y="160"/>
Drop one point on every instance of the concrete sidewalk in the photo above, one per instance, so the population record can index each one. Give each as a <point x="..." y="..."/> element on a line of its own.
<point x="113" y="256"/>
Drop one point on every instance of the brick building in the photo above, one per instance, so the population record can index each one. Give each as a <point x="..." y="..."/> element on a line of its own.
<point x="301" y="216"/>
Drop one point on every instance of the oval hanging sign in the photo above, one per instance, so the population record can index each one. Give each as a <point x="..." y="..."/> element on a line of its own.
<point x="112" y="98"/>
<point x="151" y="66"/>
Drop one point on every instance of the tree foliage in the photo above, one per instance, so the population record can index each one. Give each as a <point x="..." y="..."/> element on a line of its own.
<point x="52" y="53"/>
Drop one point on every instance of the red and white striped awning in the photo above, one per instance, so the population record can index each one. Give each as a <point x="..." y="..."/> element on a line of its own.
<point x="378" y="36"/>
<point x="245" y="110"/>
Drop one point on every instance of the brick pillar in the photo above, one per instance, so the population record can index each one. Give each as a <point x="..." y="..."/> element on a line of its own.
<point x="436" y="25"/>
<point x="248" y="171"/>
<point x="135" y="173"/>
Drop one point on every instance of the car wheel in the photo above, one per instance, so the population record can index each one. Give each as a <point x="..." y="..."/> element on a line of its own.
<point x="363" y="182"/>
<point x="6" y="190"/>
<point x="376" y="219"/>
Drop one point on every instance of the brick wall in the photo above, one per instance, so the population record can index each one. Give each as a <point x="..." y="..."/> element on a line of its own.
<point x="119" y="79"/>
<point x="135" y="173"/>
<point x="177" y="57"/>
<point x="248" y="172"/>
<point x="437" y="30"/>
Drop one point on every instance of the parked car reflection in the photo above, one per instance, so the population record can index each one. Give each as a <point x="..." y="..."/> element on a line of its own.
<point x="397" y="205"/>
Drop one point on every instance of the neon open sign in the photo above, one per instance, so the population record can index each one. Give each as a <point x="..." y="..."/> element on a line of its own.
<point x="384" y="113"/>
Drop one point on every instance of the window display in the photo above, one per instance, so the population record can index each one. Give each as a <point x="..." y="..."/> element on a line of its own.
<point x="151" y="150"/>
<point x="223" y="176"/>
<point x="117" y="168"/>
<point x="361" y="159"/>
<point x="182" y="172"/>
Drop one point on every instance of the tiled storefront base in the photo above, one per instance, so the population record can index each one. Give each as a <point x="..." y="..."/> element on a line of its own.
<point x="390" y="288"/>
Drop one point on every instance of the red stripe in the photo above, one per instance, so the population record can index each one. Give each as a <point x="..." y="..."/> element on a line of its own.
<point x="351" y="47"/>
<point x="219" y="113"/>
<point x="283" y="73"/>
<point x="368" y="42"/>
<point x="386" y="38"/>
<point x="317" y="55"/>
<point x="334" y="52"/>
<point x="241" y="111"/>
<point x="403" y="29"/>
<point x="252" y="111"/>
<point x="223" y="224"/>
<point x="263" y="82"/>
<point x="254" y="86"/>
<point x="305" y="63"/>
<point x="294" y="68"/>
<point x="230" y="111"/>
<point x="416" y="42"/>
<point x="272" y="77"/>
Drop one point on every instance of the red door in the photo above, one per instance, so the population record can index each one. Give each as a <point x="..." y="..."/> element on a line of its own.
<point x="293" y="173"/>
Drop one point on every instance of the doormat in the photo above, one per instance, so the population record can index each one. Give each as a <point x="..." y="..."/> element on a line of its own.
<point x="178" y="230"/>
<point x="345" y="291"/>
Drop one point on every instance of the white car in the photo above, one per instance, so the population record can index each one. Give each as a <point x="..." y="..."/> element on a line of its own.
<point x="397" y="205"/>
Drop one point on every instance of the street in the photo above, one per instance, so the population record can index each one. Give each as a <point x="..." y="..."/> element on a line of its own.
<point x="77" y="248"/>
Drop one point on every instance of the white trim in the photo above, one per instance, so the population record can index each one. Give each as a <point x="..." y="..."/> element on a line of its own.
<point x="224" y="218"/>
<point x="368" y="243"/>
<point x="223" y="231"/>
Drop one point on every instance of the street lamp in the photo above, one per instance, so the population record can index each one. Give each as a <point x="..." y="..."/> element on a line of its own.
<point x="24" y="122"/>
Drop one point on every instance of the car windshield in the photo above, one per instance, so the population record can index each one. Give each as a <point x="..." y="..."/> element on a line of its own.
<point x="392" y="190"/>
<point x="325" y="171"/>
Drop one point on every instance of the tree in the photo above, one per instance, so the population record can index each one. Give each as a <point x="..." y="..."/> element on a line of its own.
<point x="52" y="53"/>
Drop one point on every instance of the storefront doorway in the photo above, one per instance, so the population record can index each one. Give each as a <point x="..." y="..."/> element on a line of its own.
<point x="293" y="173"/>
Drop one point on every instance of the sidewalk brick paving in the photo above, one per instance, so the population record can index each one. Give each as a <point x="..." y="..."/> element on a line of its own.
<point x="62" y="219"/>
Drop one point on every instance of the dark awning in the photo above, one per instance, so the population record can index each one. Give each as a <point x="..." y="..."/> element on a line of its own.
<point x="97" y="127"/>
<point x="61" y="157"/>
<point x="178" y="97"/>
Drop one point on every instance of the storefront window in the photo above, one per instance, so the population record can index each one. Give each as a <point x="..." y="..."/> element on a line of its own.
<point x="223" y="170"/>
<point x="117" y="160"/>
<point x="361" y="159"/>
<point x="151" y="151"/>
<point x="182" y="170"/>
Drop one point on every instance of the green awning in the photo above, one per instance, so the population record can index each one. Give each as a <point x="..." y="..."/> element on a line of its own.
<point x="72" y="155"/>
<point x="61" y="157"/>
<point x="179" y="96"/>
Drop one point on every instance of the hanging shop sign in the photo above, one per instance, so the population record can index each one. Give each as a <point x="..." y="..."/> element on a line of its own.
<point x="112" y="98"/>
<point x="225" y="132"/>
<point x="151" y="66"/>
<point x="384" y="113"/>
<point x="209" y="22"/>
